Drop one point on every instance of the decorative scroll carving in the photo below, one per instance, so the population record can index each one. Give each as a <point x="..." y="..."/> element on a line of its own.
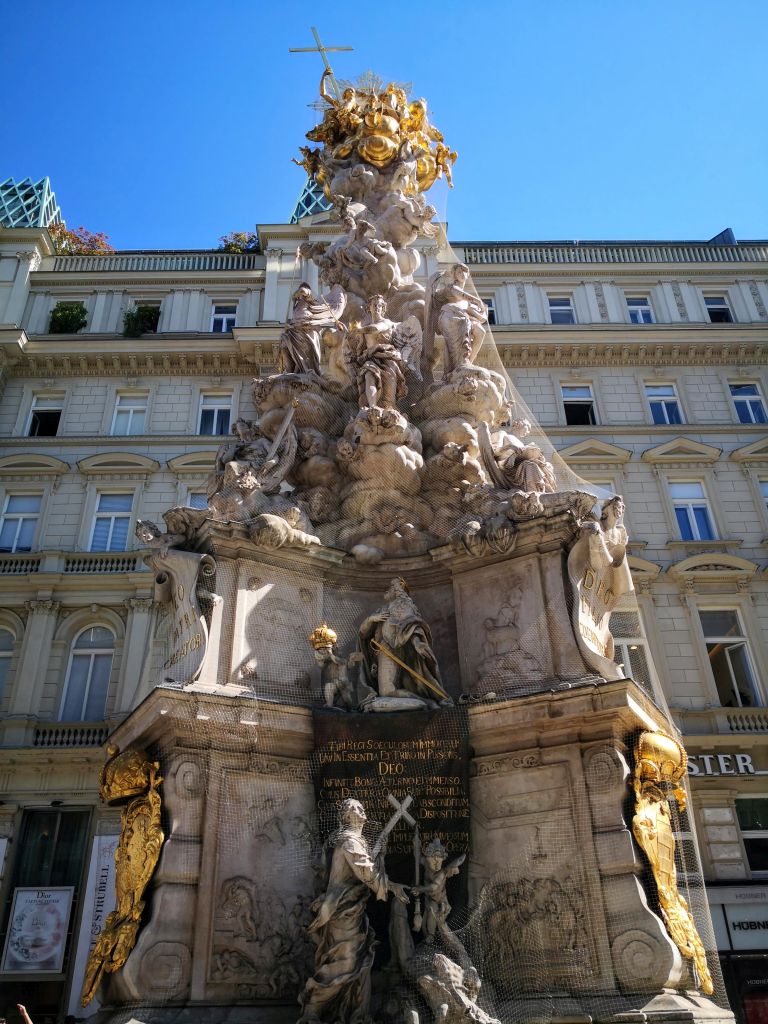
<point x="130" y="775"/>
<point x="660" y="765"/>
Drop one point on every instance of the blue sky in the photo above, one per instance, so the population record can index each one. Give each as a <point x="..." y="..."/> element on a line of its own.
<point x="167" y="124"/>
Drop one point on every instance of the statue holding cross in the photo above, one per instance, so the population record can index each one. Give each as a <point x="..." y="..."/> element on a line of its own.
<point x="339" y="991"/>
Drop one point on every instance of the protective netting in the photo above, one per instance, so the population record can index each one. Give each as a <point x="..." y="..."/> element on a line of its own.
<point x="409" y="487"/>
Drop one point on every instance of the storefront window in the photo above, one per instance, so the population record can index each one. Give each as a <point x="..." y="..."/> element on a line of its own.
<point x="752" y="813"/>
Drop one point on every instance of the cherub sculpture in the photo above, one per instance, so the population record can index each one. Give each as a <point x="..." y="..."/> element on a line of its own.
<point x="436" y="906"/>
<point x="338" y="689"/>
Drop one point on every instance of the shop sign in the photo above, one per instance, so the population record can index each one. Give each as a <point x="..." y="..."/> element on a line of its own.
<point x="98" y="902"/>
<point x="747" y="925"/>
<point x="37" y="930"/>
<point x="721" y="764"/>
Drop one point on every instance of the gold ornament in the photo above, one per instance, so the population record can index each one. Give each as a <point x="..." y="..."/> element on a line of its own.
<point x="125" y="776"/>
<point x="660" y="764"/>
<point x="381" y="127"/>
<point x="323" y="637"/>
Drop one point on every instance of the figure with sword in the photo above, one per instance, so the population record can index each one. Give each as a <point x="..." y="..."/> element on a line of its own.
<point x="397" y="656"/>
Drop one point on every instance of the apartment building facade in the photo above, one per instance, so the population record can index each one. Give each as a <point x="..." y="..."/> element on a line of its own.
<point x="644" y="362"/>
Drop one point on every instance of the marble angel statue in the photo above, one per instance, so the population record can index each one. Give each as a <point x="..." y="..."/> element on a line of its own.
<point x="310" y="315"/>
<point x="380" y="356"/>
<point x="457" y="315"/>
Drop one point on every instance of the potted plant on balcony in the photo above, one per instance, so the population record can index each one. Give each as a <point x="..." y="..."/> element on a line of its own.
<point x="140" y="320"/>
<point x="68" y="318"/>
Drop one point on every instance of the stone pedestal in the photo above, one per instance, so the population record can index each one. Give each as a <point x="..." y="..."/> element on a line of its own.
<point x="562" y="919"/>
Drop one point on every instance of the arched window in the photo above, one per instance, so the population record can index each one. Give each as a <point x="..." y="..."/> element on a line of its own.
<point x="90" y="665"/>
<point x="6" y="653"/>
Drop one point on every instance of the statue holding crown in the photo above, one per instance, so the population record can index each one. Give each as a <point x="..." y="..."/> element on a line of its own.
<point x="338" y="689"/>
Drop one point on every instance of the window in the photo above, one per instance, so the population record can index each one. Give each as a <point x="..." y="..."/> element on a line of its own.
<point x="45" y="416"/>
<point x="53" y="842"/>
<point x="130" y="414"/>
<point x="223" y="319"/>
<point x="631" y="649"/>
<point x="718" y="309"/>
<point x="197" y="499"/>
<point x="90" y="665"/>
<point x="19" y="521"/>
<point x="639" y="309"/>
<point x="665" y="407"/>
<point x="6" y="653"/>
<point x="490" y="302"/>
<point x="752" y="814"/>
<point x="579" y="404"/>
<point x="111" y="522"/>
<point x="694" y="519"/>
<point x="561" y="309"/>
<point x="215" y="413"/>
<point x="749" y="402"/>
<point x="729" y="659"/>
<point x="763" y="484"/>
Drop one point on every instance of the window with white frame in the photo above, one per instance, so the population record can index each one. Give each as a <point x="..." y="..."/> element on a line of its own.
<point x="111" y="521"/>
<point x="87" y="682"/>
<point x="664" y="403"/>
<point x="490" y="301"/>
<point x="692" y="512"/>
<point x="223" y="318"/>
<point x="718" y="309"/>
<point x="561" y="309"/>
<point x="631" y="649"/>
<point x="579" y="404"/>
<point x="45" y="415"/>
<point x="18" y="524"/>
<point x="639" y="309"/>
<point x="763" y="485"/>
<point x="197" y="499"/>
<point x="748" y="401"/>
<point x="729" y="658"/>
<point x="752" y="815"/>
<point x="215" y="412"/>
<point x="130" y="414"/>
<point x="7" y="641"/>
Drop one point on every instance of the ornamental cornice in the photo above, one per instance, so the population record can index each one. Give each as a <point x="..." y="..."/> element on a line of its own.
<point x="139" y="604"/>
<point x="525" y="355"/>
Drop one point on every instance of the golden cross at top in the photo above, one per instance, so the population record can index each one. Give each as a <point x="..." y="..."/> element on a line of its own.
<point x="322" y="50"/>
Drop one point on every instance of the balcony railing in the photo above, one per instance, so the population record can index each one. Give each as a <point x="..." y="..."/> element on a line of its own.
<point x="141" y="262"/>
<point x="71" y="734"/>
<point x="99" y="562"/>
<point x="19" y="565"/>
<point x="630" y="253"/>
<point x="722" y="721"/>
<point x="71" y="562"/>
